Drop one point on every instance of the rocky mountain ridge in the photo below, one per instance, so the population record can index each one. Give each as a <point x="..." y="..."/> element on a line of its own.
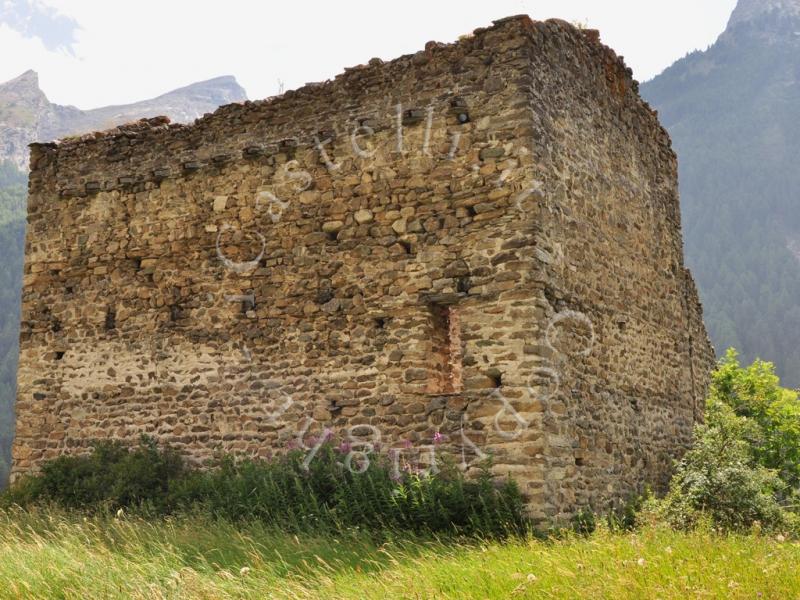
<point x="26" y="115"/>
<point x="749" y="10"/>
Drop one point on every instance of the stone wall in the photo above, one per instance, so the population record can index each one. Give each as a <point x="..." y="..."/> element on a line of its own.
<point x="480" y="240"/>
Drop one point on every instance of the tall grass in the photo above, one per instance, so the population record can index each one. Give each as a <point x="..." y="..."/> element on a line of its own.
<point x="50" y="554"/>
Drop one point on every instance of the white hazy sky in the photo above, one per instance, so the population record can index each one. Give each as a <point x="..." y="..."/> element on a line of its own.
<point x="93" y="53"/>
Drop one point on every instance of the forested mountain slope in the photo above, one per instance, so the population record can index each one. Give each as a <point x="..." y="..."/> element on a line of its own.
<point x="733" y="112"/>
<point x="12" y="244"/>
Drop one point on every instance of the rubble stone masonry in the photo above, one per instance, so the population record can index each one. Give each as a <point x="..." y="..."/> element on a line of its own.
<point x="480" y="240"/>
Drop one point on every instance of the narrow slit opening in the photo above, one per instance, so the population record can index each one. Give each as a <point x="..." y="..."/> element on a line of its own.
<point x="496" y="378"/>
<point x="111" y="319"/>
<point x="446" y="359"/>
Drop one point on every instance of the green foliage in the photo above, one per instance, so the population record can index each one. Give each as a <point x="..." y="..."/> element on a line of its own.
<point x="111" y="476"/>
<point x="289" y="491"/>
<point x="322" y="493"/>
<point x="743" y="467"/>
<point x="719" y="479"/>
<point x="771" y="413"/>
<point x="621" y="518"/>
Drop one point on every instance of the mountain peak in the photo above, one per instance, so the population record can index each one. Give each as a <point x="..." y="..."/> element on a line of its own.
<point x="219" y="90"/>
<point x="25" y="85"/>
<point x="26" y="115"/>
<point x="29" y="77"/>
<point x="749" y="10"/>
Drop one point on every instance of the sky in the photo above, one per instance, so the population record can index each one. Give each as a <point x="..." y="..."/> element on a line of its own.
<point x="92" y="53"/>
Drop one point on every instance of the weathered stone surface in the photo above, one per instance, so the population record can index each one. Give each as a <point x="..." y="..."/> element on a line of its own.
<point x="332" y="226"/>
<point x="363" y="216"/>
<point x="513" y="281"/>
<point x="220" y="202"/>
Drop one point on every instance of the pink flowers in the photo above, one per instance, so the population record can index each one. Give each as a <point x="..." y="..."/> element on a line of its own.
<point x="438" y="438"/>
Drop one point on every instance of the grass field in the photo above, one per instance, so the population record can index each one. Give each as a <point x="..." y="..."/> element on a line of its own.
<point x="58" y="556"/>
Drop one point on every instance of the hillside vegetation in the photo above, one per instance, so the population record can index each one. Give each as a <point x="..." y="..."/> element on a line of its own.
<point x="733" y="112"/>
<point x="13" y="189"/>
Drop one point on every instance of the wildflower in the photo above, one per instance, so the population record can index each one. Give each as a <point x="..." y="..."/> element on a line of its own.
<point x="437" y="438"/>
<point x="641" y="562"/>
<point x="345" y="447"/>
<point x="244" y="571"/>
<point x="120" y="513"/>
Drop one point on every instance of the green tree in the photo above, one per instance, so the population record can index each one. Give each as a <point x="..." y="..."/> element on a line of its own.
<point x="771" y="412"/>
<point x="744" y="466"/>
<point x="719" y="479"/>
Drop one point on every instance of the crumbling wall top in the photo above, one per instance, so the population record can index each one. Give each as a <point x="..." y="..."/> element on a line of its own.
<point x="273" y="121"/>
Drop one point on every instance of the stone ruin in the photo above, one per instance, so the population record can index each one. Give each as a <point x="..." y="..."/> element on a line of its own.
<point x="471" y="251"/>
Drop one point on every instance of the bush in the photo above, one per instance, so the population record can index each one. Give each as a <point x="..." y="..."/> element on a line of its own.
<point x="111" y="476"/>
<point x="744" y="468"/>
<point x="720" y="481"/>
<point x="287" y="491"/>
<point x="327" y="494"/>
